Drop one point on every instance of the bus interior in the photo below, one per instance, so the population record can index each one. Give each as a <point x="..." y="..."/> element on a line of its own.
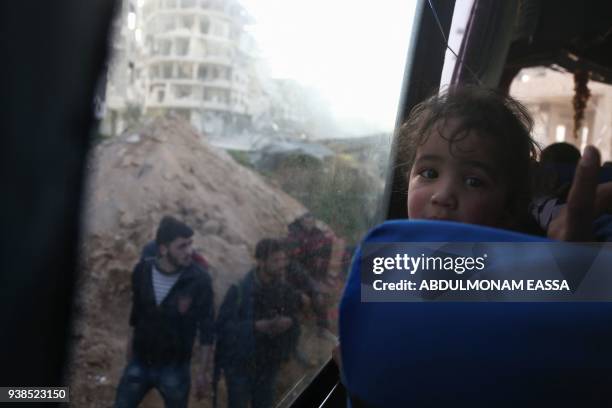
<point x="56" y="53"/>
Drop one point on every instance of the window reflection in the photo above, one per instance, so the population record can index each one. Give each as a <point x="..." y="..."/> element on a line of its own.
<point x="548" y="93"/>
<point x="201" y="131"/>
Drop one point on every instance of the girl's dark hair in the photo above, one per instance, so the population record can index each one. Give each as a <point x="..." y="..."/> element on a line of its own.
<point x="170" y="229"/>
<point x="488" y="113"/>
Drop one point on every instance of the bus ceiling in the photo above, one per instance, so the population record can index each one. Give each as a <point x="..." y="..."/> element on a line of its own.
<point x="502" y="37"/>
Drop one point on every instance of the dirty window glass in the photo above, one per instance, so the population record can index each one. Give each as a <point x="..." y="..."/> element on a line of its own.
<point x="461" y="14"/>
<point x="240" y="158"/>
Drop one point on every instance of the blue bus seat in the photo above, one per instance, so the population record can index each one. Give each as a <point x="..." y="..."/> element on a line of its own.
<point x="416" y="354"/>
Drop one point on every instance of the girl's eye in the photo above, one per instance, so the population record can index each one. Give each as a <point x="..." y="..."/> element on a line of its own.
<point x="474" y="182"/>
<point x="429" y="174"/>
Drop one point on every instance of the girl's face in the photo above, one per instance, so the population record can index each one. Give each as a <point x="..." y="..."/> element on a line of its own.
<point x="465" y="186"/>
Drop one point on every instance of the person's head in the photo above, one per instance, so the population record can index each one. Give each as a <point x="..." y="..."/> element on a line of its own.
<point x="174" y="242"/>
<point x="467" y="153"/>
<point x="308" y="221"/>
<point x="271" y="259"/>
<point x="560" y="153"/>
<point x="558" y="162"/>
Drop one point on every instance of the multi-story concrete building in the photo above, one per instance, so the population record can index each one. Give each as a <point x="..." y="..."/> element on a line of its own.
<point x="120" y="86"/>
<point x="193" y="58"/>
<point x="197" y="62"/>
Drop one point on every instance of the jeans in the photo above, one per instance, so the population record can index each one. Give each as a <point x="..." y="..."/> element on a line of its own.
<point x="242" y="388"/>
<point x="172" y="382"/>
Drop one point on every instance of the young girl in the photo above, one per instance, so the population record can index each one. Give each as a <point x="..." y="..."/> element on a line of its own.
<point x="469" y="158"/>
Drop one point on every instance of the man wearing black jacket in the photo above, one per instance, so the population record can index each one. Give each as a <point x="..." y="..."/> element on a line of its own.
<point x="172" y="301"/>
<point x="257" y="328"/>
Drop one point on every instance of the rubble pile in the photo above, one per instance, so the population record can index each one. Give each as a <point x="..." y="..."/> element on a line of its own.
<point x="135" y="179"/>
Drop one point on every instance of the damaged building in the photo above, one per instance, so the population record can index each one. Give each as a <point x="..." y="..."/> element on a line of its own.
<point x="188" y="58"/>
<point x="197" y="61"/>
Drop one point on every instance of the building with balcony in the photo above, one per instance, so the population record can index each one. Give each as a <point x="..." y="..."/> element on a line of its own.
<point x="197" y="62"/>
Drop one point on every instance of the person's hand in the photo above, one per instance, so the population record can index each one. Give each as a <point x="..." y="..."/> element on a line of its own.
<point x="282" y="324"/>
<point x="585" y="202"/>
<point x="279" y="325"/>
<point x="202" y="384"/>
<point x="264" y="326"/>
<point x="274" y="327"/>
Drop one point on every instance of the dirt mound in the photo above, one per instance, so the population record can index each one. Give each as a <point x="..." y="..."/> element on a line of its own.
<point x="135" y="179"/>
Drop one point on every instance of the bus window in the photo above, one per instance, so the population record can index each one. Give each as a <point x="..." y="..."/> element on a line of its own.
<point x="548" y="93"/>
<point x="460" y="19"/>
<point x="263" y="129"/>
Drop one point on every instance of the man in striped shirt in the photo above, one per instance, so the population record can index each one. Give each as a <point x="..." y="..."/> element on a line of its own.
<point x="172" y="301"/>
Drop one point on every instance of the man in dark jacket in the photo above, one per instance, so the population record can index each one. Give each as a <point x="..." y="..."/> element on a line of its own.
<point x="256" y="329"/>
<point x="310" y="246"/>
<point x="309" y="250"/>
<point x="172" y="300"/>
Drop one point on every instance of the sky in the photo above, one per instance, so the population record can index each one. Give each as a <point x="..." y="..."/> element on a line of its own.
<point x="352" y="52"/>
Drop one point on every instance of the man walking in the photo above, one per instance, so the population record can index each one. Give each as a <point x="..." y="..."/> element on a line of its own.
<point x="256" y="329"/>
<point x="172" y="299"/>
